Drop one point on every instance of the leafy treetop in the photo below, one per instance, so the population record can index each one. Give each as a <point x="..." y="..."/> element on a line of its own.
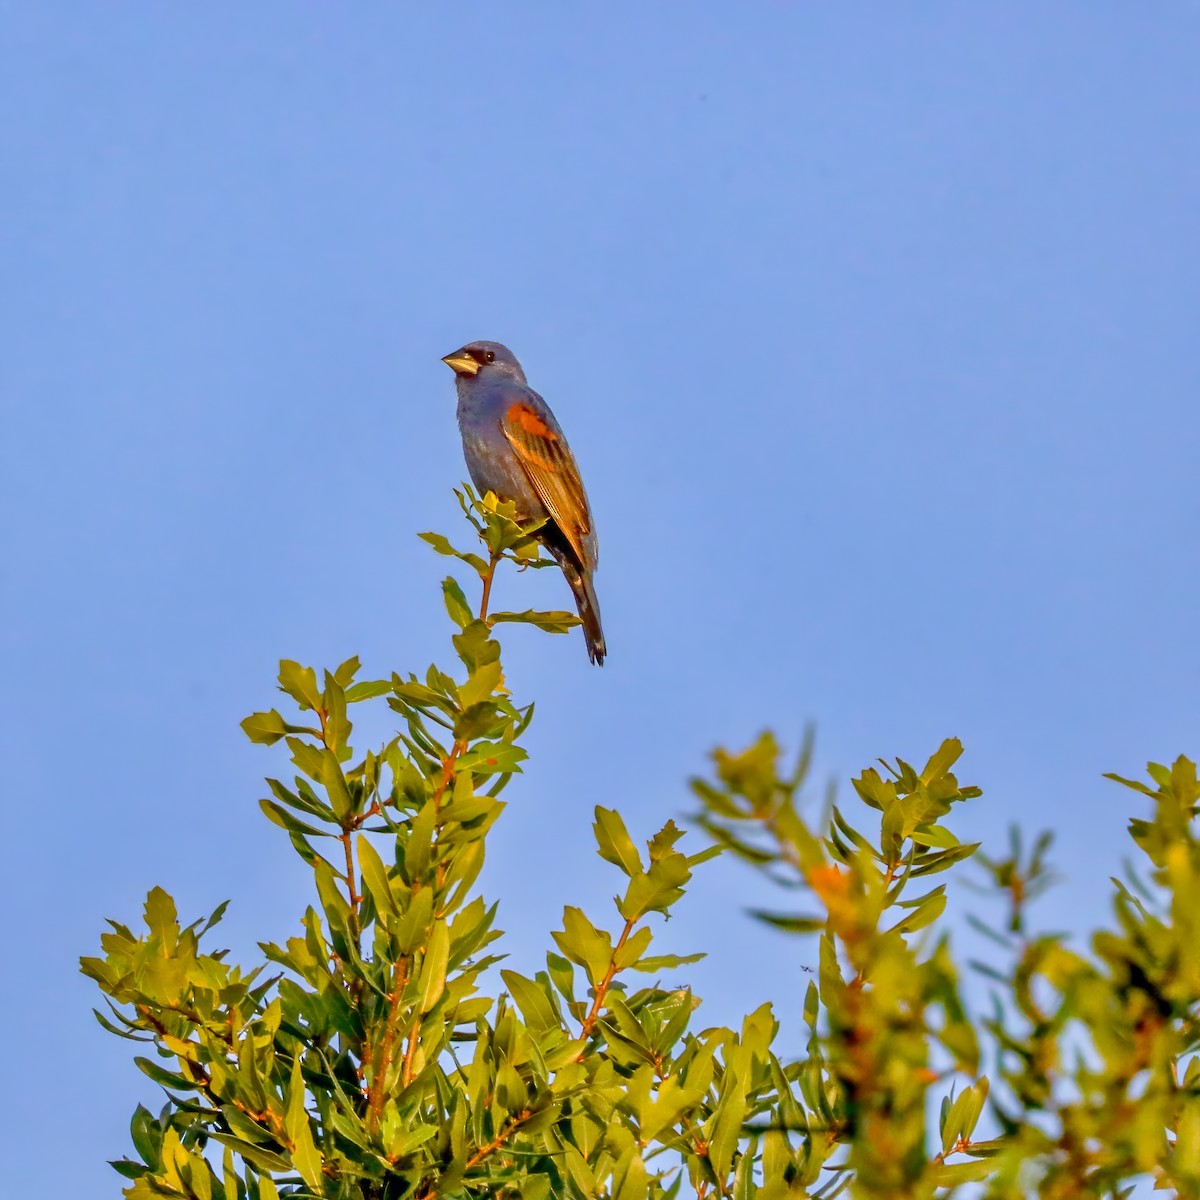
<point x="364" y="1059"/>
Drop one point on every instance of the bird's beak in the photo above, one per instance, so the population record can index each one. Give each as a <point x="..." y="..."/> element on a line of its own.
<point x="461" y="363"/>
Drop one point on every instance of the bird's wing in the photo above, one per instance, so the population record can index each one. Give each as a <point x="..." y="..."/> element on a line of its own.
<point x="550" y="467"/>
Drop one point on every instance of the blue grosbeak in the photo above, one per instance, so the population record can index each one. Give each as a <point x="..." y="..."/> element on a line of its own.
<point x="515" y="448"/>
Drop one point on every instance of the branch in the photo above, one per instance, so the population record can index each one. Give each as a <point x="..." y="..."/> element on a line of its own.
<point x="377" y="1087"/>
<point x="410" y="1052"/>
<point x="431" y="1189"/>
<point x="355" y="898"/>
<point x="488" y="576"/>
<point x="602" y="987"/>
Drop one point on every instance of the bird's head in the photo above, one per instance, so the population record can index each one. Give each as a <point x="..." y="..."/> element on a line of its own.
<point x="490" y="358"/>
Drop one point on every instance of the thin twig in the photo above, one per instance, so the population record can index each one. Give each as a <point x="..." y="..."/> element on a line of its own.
<point x="375" y="1092"/>
<point x="602" y="987"/>
<point x="489" y="575"/>
<point x="355" y="898"/>
<point x="431" y="1189"/>
<point x="410" y="1052"/>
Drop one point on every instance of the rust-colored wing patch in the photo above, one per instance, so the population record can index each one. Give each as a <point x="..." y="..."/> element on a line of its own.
<point x="528" y="420"/>
<point x="550" y="468"/>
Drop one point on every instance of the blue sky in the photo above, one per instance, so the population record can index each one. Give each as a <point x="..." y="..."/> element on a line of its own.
<point x="873" y="328"/>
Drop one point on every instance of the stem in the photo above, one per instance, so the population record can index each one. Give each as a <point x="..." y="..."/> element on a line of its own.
<point x="375" y="1093"/>
<point x="431" y="1189"/>
<point x="688" y="1126"/>
<point x="488" y="576"/>
<point x="602" y="987"/>
<point x="201" y="1078"/>
<point x="344" y="838"/>
<point x="355" y="898"/>
<point x="447" y="771"/>
<point x="499" y="1139"/>
<point x="410" y="1053"/>
<point x="354" y="983"/>
<point x="387" y="1047"/>
<point x="439" y="793"/>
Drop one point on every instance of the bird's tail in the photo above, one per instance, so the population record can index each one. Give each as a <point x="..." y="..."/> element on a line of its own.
<point x="589" y="614"/>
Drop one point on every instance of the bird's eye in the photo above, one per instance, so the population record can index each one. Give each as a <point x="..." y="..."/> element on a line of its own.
<point x="490" y="356"/>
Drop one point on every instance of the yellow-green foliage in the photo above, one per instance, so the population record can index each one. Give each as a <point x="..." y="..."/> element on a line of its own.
<point x="360" y="1060"/>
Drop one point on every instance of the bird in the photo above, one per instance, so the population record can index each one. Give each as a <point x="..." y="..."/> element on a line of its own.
<point x="515" y="447"/>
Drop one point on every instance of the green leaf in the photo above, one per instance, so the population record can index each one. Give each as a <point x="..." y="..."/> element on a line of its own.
<point x="345" y="674"/>
<point x="483" y="681"/>
<point x="790" y="922"/>
<point x="199" y="1177"/>
<point x="631" y="1181"/>
<point x="946" y="755"/>
<point x="562" y="975"/>
<point x="440" y="543"/>
<point x="284" y="819"/>
<point x="936" y="837"/>
<point x="306" y="801"/>
<point x="368" y="690"/>
<point x="665" y="962"/>
<point x="257" y="1156"/>
<point x="321" y="764"/>
<point x="953" y="1175"/>
<point x="963" y="1115"/>
<point x="1135" y="784"/>
<point x="584" y="944"/>
<point x="456" y="602"/>
<point x="335" y="785"/>
<point x="162" y="919"/>
<point x="942" y="861"/>
<point x="442" y="546"/>
<point x="412" y="694"/>
<point x="616" y="846"/>
<point x="433" y="969"/>
<point x="491" y="758"/>
<point x="658" y="888"/>
<point x="661" y="843"/>
<point x="303" y="847"/>
<point x="300" y="683"/>
<point x="891" y="836"/>
<point x="243" y="1126"/>
<point x="411" y="929"/>
<point x="337" y="910"/>
<point x="666" y="1108"/>
<point x="305" y="1156"/>
<point x="534" y="1004"/>
<point x="375" y="876"/>
<point x="926" y="910"/>
<point x="418" y="849"/>
<point x="577" y="1170"/>
<point x="812" y="1006"/>
<point x="536" y="1187"/>
<point x="337" y="727"/>
<point x="147" y="1135"/>
<point x="727" y="1128"/>
<point x="402" y="1138"/>
<point x="264" y="728"/>
<point x="464" y="869"/>
<point x="214" y="917"/>
<point x="635" y="946"/>
<point x="164" y="1078"/>
<point x="476" y="646"/>
<point x="549" y="622"/>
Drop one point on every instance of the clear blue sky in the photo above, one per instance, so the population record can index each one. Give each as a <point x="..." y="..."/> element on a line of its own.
<point x="873" y="328"/>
